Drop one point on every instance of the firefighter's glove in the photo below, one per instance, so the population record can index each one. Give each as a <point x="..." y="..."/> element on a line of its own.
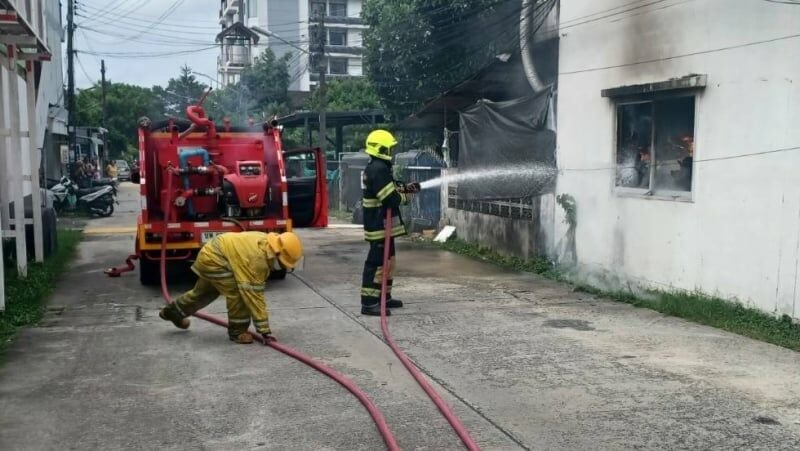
<point x="407" y="188"/>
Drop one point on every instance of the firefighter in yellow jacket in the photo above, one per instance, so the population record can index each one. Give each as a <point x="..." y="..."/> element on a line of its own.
<point x="237" y="265"/>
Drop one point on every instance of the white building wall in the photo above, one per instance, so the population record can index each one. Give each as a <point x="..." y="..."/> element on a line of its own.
<point x="354" y="8"/>
<point x="739" y="236"/>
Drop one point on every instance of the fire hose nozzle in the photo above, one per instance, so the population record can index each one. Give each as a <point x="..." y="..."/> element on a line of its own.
<point x="408" y="188"/>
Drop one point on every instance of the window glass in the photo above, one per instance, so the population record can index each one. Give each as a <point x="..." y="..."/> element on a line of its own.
<point x="666" y="125"/>
<point x="338" y="66"/>
<point x="674" y="141"/>
<point x="634" y="139"/>
<point x="337" y="37"/>
<point x="301" y="165"/>
<point x="337" y="9"/>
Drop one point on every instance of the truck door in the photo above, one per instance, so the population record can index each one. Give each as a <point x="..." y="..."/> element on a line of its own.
<point x="307" y="182"/>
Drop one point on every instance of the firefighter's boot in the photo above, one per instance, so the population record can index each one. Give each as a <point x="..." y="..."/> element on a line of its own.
<point x="374" y="310"/>
<point x="394" y="303"/>
<point x="170" y="313"/>
<point x="243" y="338"/>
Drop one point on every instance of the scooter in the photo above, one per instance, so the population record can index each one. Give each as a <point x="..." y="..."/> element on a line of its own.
<point x="98" y="201"/>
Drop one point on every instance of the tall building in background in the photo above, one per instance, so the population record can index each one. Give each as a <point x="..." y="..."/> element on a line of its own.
<point x="290" y="22"/>
<point x="236" y="42"/>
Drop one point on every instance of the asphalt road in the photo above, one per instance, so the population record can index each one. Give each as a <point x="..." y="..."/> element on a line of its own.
<point x="525" y="362"/>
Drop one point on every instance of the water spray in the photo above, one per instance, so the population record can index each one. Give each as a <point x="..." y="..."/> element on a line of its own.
<point x="507" y="174"/>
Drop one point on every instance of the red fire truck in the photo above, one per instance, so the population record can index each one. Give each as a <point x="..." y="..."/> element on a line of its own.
<point x="223" y="180"/>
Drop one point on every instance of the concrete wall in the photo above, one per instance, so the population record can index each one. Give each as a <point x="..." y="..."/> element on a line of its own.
<point x="507" y="236"/>
<point x="738" y="236"/>
<point x="524" y="238"/>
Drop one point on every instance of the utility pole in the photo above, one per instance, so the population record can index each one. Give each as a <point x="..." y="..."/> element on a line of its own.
<point x="322" y="86"/>
<point x="71" y="140"/>
<point x="103" y="117"/>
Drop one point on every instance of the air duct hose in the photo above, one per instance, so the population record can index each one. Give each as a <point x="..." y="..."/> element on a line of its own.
<point x="525" y="39"/>
<point x="448" y="414"/>
<point x="372" y="409"/>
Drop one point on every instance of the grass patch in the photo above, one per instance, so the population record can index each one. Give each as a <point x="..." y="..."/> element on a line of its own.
<point x="25" y="298"/>
<point x="720" y="313"/>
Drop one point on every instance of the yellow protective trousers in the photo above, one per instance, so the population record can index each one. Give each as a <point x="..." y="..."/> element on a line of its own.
<point x="243" y="303"/>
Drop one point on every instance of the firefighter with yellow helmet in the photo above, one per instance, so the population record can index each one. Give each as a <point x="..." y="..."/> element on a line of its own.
<point x="380" y="191"/>
<point x="237" y="265"/>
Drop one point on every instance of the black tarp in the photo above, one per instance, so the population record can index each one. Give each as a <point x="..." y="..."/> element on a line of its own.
<point x="516" y="137"/>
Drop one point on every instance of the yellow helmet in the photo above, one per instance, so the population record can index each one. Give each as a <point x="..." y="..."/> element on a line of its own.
<point x="380" y="143"/>
<point x="287" y="247"/>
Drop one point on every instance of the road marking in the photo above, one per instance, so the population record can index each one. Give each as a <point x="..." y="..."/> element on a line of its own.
<point x="109" y="230"/>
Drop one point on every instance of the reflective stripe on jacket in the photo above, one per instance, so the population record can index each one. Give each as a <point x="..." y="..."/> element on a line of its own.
<point x="380" y="192"/>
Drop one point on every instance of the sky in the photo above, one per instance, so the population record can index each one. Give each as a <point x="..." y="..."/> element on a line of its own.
<point x="138" y="39"/>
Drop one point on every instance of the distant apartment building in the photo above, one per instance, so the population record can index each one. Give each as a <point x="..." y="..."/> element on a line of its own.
<point x="291" y="24"/>
<point x="236" y="42"/>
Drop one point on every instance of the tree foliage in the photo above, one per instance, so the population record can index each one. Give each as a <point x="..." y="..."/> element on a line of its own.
<point x="261" y="93"/>
<point x="125" y="104"/>
<point x="415" y="49"/>
<point x="180" y="93"/>
<point x="349" y="94"/>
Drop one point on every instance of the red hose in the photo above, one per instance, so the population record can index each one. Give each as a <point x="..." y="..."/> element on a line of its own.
<point x="451" y="418"/>
<point x="372" y="409"/>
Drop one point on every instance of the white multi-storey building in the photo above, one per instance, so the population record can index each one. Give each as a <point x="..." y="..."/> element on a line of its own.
<point x="291" y="24"/>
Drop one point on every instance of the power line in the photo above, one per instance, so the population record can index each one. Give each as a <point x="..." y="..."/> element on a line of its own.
<point x="146" y="54"/>
<point x="166" y="42"/>
<point x="704" y="160"/>
<point x="175" y="5"/>
<point x="701" y="52"/>
<point x="83" y="69"/>
<point x="145" y="19"/>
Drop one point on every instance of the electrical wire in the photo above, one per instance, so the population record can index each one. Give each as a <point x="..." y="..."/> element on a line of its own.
<point x="85" y="72"/>
<point x="144" y="19"/>
<point x="684" y="55"/>
<point x="703" y="160"/>
<point x="146" y="54"/>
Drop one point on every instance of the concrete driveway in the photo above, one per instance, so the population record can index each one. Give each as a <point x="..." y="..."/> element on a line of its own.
<point x="525" y="362"/>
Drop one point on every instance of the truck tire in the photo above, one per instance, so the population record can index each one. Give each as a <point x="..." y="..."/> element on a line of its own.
<point x="277" y="274"/>
<point x="149" y="272"/>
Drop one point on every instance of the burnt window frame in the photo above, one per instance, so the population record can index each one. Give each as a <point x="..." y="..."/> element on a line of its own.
<point x="651" y="97"/>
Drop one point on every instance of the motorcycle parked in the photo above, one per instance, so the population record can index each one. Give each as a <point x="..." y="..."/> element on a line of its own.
<point x="97" y="201"/>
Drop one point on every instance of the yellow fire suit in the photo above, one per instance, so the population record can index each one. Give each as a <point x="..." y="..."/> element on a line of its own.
<point x="235" y="265"/>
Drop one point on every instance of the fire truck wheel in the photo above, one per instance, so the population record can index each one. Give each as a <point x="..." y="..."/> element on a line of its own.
<point x="277" y="274"/>
<point x="149" y="274"/>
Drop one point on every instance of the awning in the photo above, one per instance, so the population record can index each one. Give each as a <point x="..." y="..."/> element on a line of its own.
<point x="16" y="30"/>
<point x="58" y="117"/>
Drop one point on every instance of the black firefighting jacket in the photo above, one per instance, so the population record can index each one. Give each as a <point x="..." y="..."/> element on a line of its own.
<point x="380" y="193"/>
